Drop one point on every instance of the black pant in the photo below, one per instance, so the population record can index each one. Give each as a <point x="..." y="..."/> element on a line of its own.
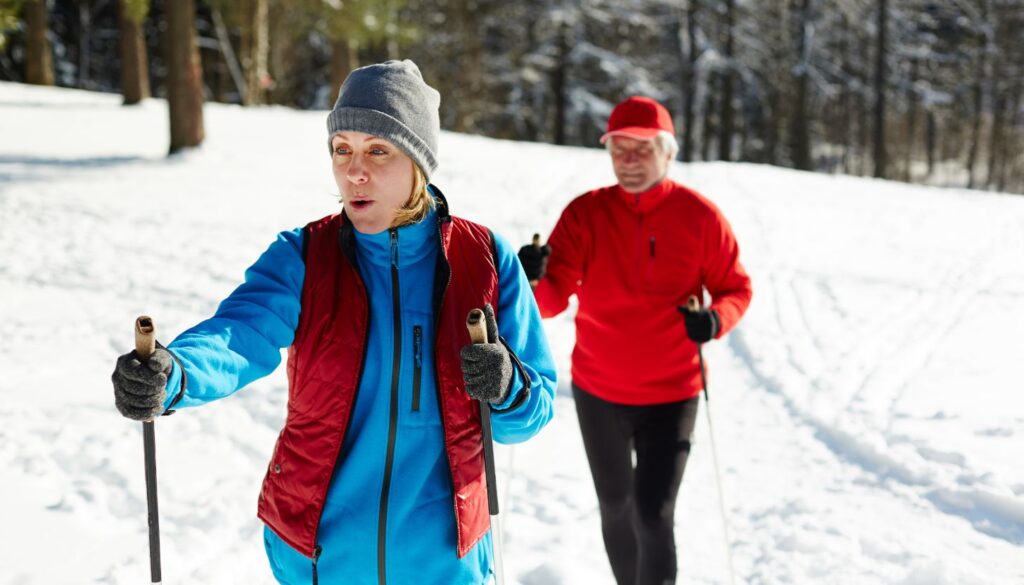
<point x="637" y="503"/>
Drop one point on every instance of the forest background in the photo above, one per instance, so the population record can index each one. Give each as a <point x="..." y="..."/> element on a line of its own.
<point x="923" y="91"/>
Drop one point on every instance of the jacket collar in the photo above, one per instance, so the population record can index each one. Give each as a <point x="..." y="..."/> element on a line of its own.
<point x="414" y="241"/>
<point x="646" y="200"/>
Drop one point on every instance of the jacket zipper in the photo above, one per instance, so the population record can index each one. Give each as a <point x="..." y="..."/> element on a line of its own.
<point x="652" y="246"/>
<point x="396" y="362"/>
<point x="638" y="246"/>
<point x="417" y="358"/>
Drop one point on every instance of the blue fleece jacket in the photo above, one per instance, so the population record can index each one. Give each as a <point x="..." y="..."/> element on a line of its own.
<point x="242" y="342"/>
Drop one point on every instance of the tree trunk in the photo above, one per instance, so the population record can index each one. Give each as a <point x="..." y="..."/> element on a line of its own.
<point x="84" y="45"/>
<point x="846" y="102"/>
<point x="979" y="111"/>
<point x="184" y="76"/>
<point x="280" y="58"/>
<point x="725" y="128"/>
<point x="908" y="159"/>
<point x="999" y="99"/>
<point x="980" y="82"/>
<point x="38" y="55"/>
<point x="995" y="144"/>
<point x="931" y="140"/>
<point x="1011" y="144"/>
<point x="394" y="52"/>
<point x="558" y="84"/>
<point x="257" y="48"/>
<point x="773" y="127"/>
<point x="134" y="67"/>
<point x="801" y="138"/>
<point x="344" y="59"/>
<point x="863" y="132"/>
<point x="709" y="119"/>
<point x="880" y="75"/>
<point x="690" y="81"/>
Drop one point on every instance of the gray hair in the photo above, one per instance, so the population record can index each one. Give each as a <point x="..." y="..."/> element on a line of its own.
<point x="663" y="141"/>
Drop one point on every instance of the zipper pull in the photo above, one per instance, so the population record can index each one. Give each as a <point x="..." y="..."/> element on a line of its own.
<point x="652" y="246"/>
<point x="316" y="556"/>
<point x="394" y="247"/>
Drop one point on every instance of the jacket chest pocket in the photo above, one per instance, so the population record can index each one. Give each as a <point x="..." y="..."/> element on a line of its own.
<point x="417" y="366"/>
<point x="670" y="263"/>
<point x="419" y="403"/>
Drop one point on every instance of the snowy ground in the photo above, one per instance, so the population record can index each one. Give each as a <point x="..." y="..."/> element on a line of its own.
<point x="868" y="411"/>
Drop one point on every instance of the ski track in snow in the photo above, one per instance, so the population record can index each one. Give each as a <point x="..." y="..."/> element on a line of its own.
<point x="901" y="465"/>
<point x="867" y="410"/>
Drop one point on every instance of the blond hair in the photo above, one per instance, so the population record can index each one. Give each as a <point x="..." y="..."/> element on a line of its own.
<point x="419" y="204"/>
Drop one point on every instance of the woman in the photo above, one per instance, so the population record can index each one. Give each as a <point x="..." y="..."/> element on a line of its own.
<point x="377" y="476"/>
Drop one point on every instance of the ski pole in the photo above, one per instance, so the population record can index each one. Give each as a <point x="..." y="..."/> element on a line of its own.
<point x="693" y="304"/>
<point x="478" y="334"/>
<point x="535" y="242"/>
<point x="145" y="345"/>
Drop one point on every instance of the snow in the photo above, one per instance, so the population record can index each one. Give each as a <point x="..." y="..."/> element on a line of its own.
<point x="868" y="411"/>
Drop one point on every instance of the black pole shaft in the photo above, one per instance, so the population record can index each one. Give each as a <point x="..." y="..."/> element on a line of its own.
<point x="492" y="480"/>
<point x="703" y="376"/>
<point x="149" y="446"/>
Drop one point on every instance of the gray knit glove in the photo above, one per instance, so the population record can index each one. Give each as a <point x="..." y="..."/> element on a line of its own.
<point x="139" y="387"/>
<point x="487" y="367"/>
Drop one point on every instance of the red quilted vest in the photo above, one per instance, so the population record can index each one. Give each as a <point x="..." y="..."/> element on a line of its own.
<point x="325" y="365"/>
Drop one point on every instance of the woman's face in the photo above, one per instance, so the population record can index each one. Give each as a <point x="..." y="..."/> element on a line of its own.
<point x="375" y="179"/>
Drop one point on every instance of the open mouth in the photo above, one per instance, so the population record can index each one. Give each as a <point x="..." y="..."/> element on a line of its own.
<point x="360" y="203"/>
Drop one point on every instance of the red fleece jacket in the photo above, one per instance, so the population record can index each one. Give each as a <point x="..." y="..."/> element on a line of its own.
<point x="631" y="259"/>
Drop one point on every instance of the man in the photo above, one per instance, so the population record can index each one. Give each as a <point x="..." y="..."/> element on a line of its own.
<point x="633" y="254"/>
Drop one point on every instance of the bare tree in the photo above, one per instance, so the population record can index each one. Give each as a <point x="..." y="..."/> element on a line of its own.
<point x="725" y="128"/>
<point x="982" y="81"/>
<point x="38" y="54"/>
<point x="344" y="58"/>
<point x="688" y="54"/>
<point x="800" y="139"/>
<point x="880" y="75"/>
<point x="255" y="51"/>
<point x="184" y="76"/>
<point x="559" y="82"/>
<point x="134" y="64"/>
<point x="909" y="151"/>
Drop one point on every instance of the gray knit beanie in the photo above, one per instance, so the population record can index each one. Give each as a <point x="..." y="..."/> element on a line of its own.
<point x="391" y="100"/>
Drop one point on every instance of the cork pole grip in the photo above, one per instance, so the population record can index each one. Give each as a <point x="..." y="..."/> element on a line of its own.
<point x="693" y="304"/>
<point x="145" y="337"/>
<point x="477" y="327"/>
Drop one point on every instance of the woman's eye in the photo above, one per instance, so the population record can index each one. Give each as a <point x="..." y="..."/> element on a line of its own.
<point x="341" y="151"/>
<point x="377" y="151"/>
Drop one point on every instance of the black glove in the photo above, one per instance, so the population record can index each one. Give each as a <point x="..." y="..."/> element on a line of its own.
<point x="139" y="387"/>
<point x="534" y="259"/>
<point x="487" y="367"/>
<point x="701" y="325"/>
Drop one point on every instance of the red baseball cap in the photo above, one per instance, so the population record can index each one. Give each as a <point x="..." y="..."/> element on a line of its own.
<point x="640" y="118"/>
